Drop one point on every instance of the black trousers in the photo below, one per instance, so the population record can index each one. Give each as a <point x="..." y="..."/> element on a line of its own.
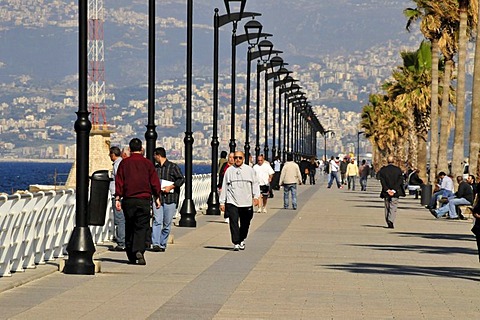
<point x="137" y="222"/>
<point x="245" y="215"/>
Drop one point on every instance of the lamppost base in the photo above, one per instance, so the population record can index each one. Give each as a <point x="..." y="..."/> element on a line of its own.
<point x="188" y="213"/>
<point x="80" y="252"/>
<point x="213" y="208"/>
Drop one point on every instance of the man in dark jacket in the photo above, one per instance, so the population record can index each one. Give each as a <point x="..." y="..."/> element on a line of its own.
<point x="463" y="196"/>
<point x="391" y="178"/>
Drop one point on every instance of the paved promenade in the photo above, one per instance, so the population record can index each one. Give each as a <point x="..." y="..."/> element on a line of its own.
<point x="330" y="259"/>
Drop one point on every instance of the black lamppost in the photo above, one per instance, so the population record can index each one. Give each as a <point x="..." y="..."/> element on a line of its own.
<point x="188" y="211"/>
<point x="358" y="146"/>
<point x="219" y="21"/>
<point x="80" y="247"/>
<point x="325" y="138"/>
<point x="276" y="64"/>
<point x="151" y="135"/>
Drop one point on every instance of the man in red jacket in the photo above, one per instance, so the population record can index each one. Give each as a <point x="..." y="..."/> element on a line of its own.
<point x="135" y="184"/>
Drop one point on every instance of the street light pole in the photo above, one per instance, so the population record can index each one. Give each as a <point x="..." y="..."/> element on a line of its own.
<point x="358" y="146"/>
<point x="188" y="211"/>
<point x="151" y="135"/>
<point x="80" y="247"/>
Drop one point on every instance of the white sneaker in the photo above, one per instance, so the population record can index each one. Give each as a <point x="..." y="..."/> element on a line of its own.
<point x="242" y="245"/>
<point x="236" y="247"/>
<point x="259" y="210"/>
<point x="227" y="220"/>
<point x="264" y="210"/>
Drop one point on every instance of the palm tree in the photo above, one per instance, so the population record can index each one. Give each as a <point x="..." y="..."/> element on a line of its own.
<point x="430" y="26"/>
<point x="475" y="118"/>
<point x="468" y="10"/>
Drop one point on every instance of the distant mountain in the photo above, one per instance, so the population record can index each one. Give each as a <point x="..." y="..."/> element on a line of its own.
<point x="304" y="30"/>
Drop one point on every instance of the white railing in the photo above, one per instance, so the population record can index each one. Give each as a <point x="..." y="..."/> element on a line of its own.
<point x="36" y="227"/>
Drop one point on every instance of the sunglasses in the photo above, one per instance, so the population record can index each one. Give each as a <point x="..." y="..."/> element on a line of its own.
<point x="237" y="157"/>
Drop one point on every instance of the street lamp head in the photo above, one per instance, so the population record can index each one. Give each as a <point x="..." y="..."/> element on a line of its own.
<point x="229" y="6"/>
<point x="265" y="47"/>
<point x="276" y="63"/>
<point x="253" y="29"/>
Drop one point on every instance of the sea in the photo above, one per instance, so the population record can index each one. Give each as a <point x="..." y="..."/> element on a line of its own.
<point x="20" y="175"/>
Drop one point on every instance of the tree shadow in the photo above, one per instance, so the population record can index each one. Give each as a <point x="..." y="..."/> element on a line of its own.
<point x="440" y="236"/>
<point x="367" y="206"/>
<point x="420" y="249"/>
<point x="404" y="270"/>
<point x="373" y="226"/>
<point x="104" y="259"/>
<point x="219" y="248"/>
<point x="217" y="221"/>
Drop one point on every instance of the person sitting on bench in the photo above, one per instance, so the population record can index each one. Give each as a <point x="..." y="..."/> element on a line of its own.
<point x="464" y="196"/>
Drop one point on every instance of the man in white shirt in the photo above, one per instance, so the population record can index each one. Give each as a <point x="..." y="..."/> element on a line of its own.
<point x="239" y="190"/>
<point x="334" y="167"/>
<point x="446" y="190"/>
<point x="264" y="173"/>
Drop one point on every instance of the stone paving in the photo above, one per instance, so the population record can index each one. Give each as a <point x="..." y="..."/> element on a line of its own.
<point x="332" y="258"/>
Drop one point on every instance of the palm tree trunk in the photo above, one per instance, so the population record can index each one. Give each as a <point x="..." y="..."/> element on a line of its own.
<point x="459" y="137"/>
<point x="422" y="157"/>
<point x="444" y="117"/>
<point x="475" y="118"/>
<point x="434" y="114"/>
<point x="412" y="140"/>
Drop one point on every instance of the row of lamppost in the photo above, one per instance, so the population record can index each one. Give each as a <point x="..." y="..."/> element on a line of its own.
<point x="300" y="125"/>
<point x="298" y="122"/>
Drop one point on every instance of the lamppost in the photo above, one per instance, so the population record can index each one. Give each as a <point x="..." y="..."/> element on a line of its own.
<point x="80" y="247"/>
<point x="276" y="65"/>
<point x="358" y="146"/>
<point x="151" y="135"/>
<point x="188" y="211"/>
<point x="325" y="138"/>
<point x="219" y="21"/>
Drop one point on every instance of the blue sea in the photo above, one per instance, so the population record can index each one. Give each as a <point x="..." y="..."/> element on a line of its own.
<point x="19" y="175"/>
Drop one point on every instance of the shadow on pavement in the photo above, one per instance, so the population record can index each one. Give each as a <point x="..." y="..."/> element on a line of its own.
<point x="419" y="249"/>
<point x="373" y="226"/>
<point x="441" y="236"/>
<point x="122" y="261"/>
<point x="403" y="270"/>
<point x="218" y="248"/>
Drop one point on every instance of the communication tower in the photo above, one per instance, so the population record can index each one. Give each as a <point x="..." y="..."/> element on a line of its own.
<point x="96" y="64"/>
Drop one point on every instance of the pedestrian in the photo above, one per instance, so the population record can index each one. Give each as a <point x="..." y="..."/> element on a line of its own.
<point x="264" y="173"/>
<point x="304" y="169"/>
<point x="240" y="192"/>
<point x="334" y="167"/>
<point x="312" y="170"/>
<point x="463" y="196"/>
<point x="391" y="178"/>
<point x="289" y="178"/>
<point x="171" y="179"/>
<point x="135" y="184"/>
<point x="118" y="217"/>
<point x="445" y="190"/>
<point x="352" y="173"/>
<point x="476" y="225"/>
<point x="277" y="168"/>
<point x="225" y="166"/>
<point x="364" y="172"/>
<point x="222" y="160"/>
<point x="343" y="170"/>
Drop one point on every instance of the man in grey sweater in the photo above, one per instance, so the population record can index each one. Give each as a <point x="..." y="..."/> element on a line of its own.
<point x="240" y="191"/>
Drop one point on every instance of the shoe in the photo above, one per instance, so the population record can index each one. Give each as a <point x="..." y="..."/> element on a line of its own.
<point x="429" y="207"/>
<point x="259" y="210"/>
<point x="227" y="220"/>
<point x="236" y="247"/>
<point x="242" y="245"/>
<point x="156" y="248"/>
<point x="390" y="225"/>
<point x="454" y="218"/>
<point x="117" y="248"/>
<point x="294" y="208"/>
<point x="162" y="249"/>
<point x="140" y="258"/>
<point x="285" y="208"/>
<point x="264" y="210"/>
<point x="434" y="213"/>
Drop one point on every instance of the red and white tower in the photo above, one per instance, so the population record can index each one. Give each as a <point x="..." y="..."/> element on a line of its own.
<point x="96" y="64"/>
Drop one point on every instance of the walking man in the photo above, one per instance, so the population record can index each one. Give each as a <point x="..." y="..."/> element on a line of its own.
<point x="334" y="167"/>
<point x="118" y="217"/>
<point x="352" y="173"/>
<point x="135" y="184"/>
<point x="171" y="179"/>
<point x="264" y="173"/>
<point x="239" y="189"/>
<point x="364" y="172"/>
<point x="289" y="178"/>
<point x="391" y="179"/>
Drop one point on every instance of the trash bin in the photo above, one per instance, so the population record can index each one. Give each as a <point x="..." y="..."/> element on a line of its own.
<point x="97" y="205"/>
<point x="426" y="194"/>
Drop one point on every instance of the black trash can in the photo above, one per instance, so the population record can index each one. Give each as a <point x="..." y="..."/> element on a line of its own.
<point x="97" y="205"/>
<point x="426" y="194"/>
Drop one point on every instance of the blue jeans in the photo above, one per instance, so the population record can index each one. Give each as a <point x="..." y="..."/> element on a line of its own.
<point x="440" y="193"/>
<point x="351" y="182"/>
<point x="451" y="207"/>
<point x="291" y="187"/>
<point x="162" y="223"/>
<point x="334" y="175"/>
<point x="363" y="183"/>
<point x="119" y="222"/>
